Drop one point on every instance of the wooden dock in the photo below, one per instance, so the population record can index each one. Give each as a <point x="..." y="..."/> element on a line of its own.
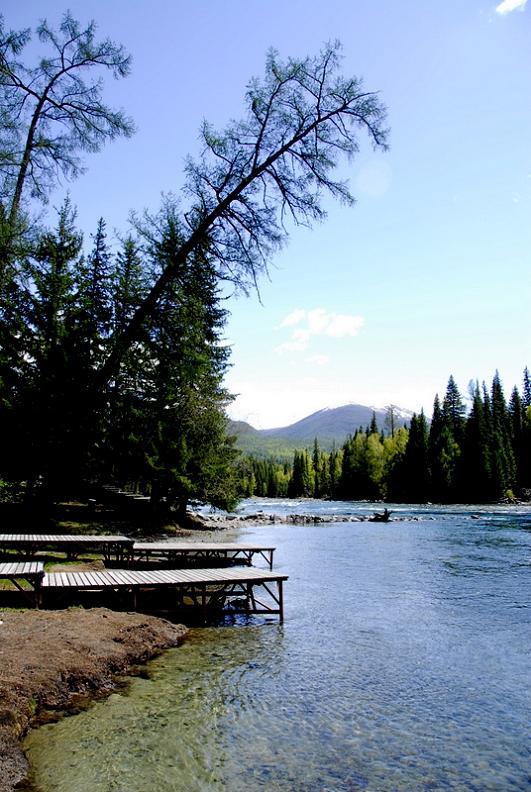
<point x="32" y="572"/>
<point x="207" y="591"/>
<point x="202" y="552"/>
<point x="110" y="547"/>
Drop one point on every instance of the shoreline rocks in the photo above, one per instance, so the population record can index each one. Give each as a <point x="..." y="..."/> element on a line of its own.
<point x="222" y="521"/>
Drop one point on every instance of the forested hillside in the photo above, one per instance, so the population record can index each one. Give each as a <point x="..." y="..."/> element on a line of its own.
<point x="330" y="426"/>
<point x="470" y="457"/>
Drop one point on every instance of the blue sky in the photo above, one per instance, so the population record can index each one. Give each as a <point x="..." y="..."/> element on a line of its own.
<point x="429" y="274"/>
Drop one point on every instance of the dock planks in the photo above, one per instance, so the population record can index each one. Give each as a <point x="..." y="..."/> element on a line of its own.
<point x="202" y="551"/>
<point x="73" y="545"/>
<point x="131" y="577"/>
<point x="30" y="571"/>
<point x="203" y="587"/>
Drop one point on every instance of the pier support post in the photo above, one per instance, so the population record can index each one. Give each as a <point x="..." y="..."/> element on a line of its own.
<point x="280" y="601"/>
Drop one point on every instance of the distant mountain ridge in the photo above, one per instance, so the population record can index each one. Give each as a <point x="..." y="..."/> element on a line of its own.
<point x="331" y="426"/>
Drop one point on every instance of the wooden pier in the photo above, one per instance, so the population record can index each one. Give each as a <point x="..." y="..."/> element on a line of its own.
<point x="32" y="572"/>
<point x="115" y="548"/>
<point x="207" y="591"/>
<point x="204" y="591"/>
<point x="202" y="552"/>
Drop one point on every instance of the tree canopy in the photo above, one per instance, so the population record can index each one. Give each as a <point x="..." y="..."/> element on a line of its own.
<point x="52" y="111"/>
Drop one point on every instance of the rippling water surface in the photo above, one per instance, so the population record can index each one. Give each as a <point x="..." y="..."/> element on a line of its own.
<point x="403" y="663"/>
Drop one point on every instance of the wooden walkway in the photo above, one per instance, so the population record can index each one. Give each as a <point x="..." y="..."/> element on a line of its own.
<point x="209" y="590"/>
<point x="173" y="552"/>
<point x="244" y="589"/>
<point x="30" y="571"/>
<point x="111" y="547"/>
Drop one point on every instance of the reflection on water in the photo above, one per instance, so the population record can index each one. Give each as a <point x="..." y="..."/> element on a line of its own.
<point x="403" y="664"/>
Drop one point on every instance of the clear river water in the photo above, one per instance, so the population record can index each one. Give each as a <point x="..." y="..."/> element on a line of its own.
<point x="404" y="663"/>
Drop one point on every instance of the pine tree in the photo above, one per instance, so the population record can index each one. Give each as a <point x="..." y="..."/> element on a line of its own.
<point x="191" y="456"/>
<point x="94" y="299"/>
<point x="316" y="464"/>
<point x="454" y="410"/>
<point x="54" y="409"/>
<point x="122" y="458"/>
<point x="416" y="481"/>
<point x="477" y="486"/>
<point x="443" y="449"/>
<point x="502" y="458"/>
<point x="526" y="392"/>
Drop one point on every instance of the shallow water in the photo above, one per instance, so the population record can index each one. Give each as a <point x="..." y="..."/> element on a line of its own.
<point x="403" y="664"/>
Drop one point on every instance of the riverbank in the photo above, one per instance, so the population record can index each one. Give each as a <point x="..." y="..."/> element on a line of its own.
<point x="49" y="659"/>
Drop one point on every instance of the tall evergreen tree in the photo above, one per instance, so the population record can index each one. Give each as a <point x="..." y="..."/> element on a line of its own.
<point x="454" y="410"/>
<point x="94" y="297"/>
<point x="526" y="392"/>
<point x="517" y="423"/>
<point x="502" y="457"/>
<point x="443" y="449"/>
<point x="476" y="483"/>
<point x="55" y="410"/>
<point x="188" y="453"/>
<point x="417" y="480"/>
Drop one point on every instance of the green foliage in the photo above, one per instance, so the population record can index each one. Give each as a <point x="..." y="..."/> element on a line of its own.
<point x="160" y="426"/>
<point x="10" y="492"/>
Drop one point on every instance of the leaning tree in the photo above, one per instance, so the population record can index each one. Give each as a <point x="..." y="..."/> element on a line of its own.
<point x="272" y="167"/>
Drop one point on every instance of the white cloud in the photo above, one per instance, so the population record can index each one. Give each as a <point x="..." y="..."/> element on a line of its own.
<point x="506" y="6"/>
<point x="293" y="318"/>
<point x="343" y="325"/>
<point x="291" y="346"/>
<point x="317" y="322"/>
<point x="318" y="360"/>
<point x="301" y="335"/>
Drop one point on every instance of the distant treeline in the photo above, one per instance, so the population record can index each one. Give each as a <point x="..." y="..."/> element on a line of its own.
<point x="458" y="457"/>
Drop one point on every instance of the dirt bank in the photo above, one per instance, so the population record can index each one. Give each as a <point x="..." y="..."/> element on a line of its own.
<point x="47" y="658"/>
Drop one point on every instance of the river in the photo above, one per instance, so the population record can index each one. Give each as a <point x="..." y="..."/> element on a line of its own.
<point x="404" y="663"/>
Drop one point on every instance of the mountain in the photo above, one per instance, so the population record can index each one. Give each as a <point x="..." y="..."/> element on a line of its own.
<point x="330" y="426"/>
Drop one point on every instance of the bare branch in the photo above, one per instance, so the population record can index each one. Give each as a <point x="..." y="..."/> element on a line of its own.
<point x="278" y="160"/>
<point x="54" y="93"/>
